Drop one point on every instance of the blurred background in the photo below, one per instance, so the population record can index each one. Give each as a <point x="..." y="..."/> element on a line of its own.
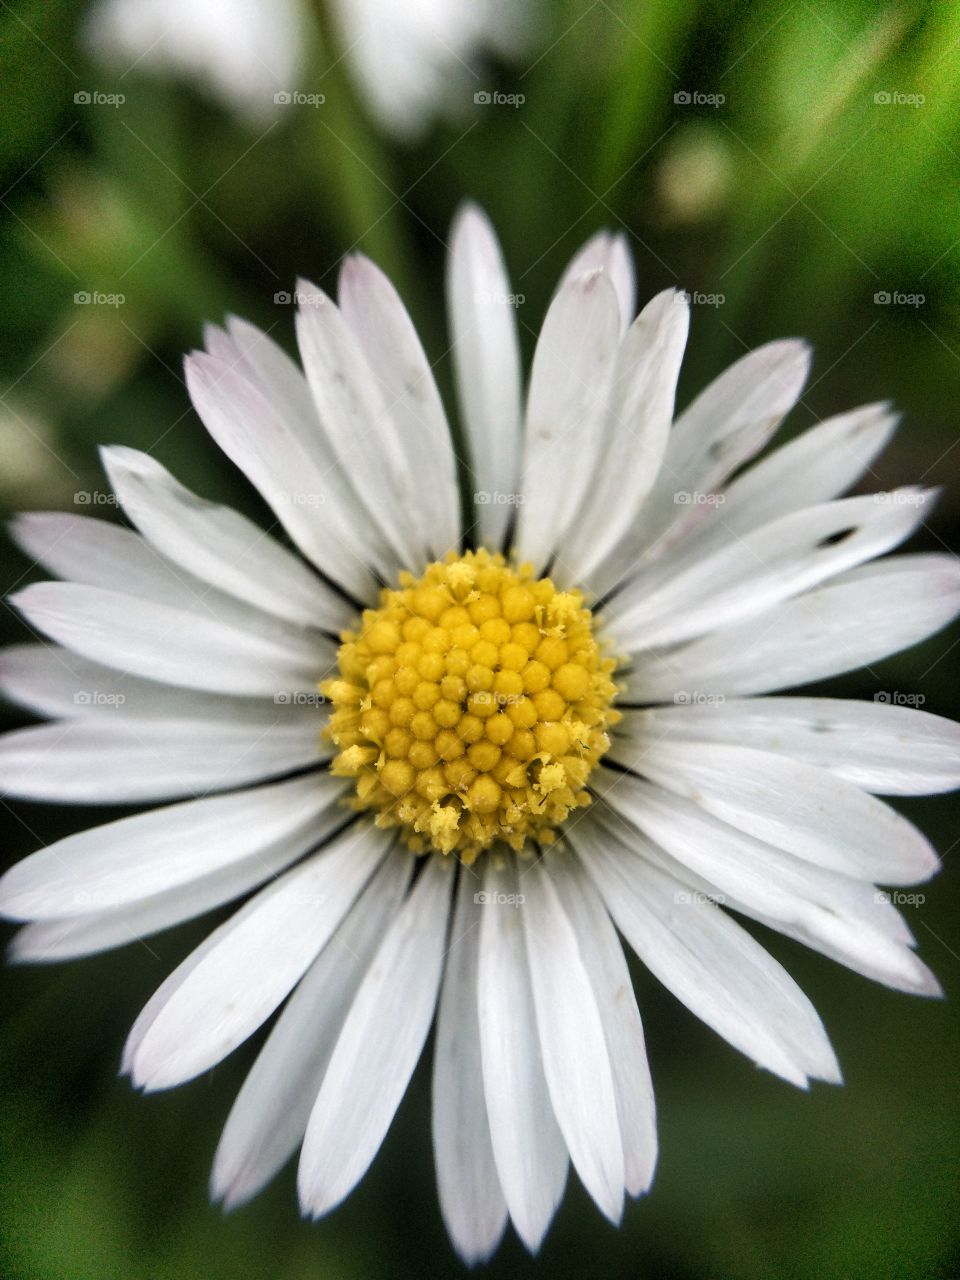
<point x="794" y="166"/>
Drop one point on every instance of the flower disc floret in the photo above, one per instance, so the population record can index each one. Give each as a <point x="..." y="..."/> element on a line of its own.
<point x="472" y="706"/>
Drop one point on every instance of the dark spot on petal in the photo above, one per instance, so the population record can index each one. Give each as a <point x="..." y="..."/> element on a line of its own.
<point x="840" y="536"/>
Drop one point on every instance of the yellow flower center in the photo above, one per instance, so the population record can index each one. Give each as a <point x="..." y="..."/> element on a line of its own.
<point x="472" y="706"/>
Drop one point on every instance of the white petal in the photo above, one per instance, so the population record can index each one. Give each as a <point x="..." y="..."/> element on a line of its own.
<point x="413" y="62"/>
<point x="609" y="253"/>
<point x="640" y="413"/>
<point x="729" y="422"/>
<point x="163" y="642"/>
<point x="882" y="747"/>
<point x="861" y="906"/>
<point x="125" y="760"/>
<point x="848" y="624"/>
<point x="280" y="381"/>
<point x="97" y="554"/>
<point x="471" y="1200"/>
<point x="819" y="465"/>
<point x="566" y="411"/>
<point x="219" y="343"/>
<point x="301" y="484"/>
<point x="379" y="1046"/>
<point x="232" y="50"/>
<point x="402" y="79"/>
<point x="358" y="425"/>
<point x="893" y="965"/>
<point x="148" y="853"/>
<point x="789" y="893"/>
<point x="56" y="682"/>
<point x="791" y="805"/>
<point x="605" y="963"/>
<point x="765" y="566"/>
<point x="709" y="963"/>
<point x="100" y="554"/>
<point x="529" y="1150"/>
<point x="385" y="332"/>
<point x="856" y="900"/>
<point x="576" y="1062"/>
<point x="733" y="417"/>
<point x="67" y="937"/>
<point x="168" y="988"/>
<point x="219" y="545"/>
<point x="259" y="955"/>
<point x="486" y="356"/>
<point x="267" y="1121"/>
<point x="281" y="385"/>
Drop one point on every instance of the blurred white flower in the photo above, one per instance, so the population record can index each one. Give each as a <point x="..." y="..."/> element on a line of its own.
<point x="242" y="51"/>
<point x="409" y="61"/>
<point x="419" y="58"/>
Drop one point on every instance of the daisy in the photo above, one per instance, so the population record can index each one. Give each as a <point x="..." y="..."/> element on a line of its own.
<point x="414" y="61"/>
<point x="453" y="761"/>
<point x="242" y="52"/>
<point x="410" y="61"/>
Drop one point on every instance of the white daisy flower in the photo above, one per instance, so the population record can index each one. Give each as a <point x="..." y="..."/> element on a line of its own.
<point x="410" y="61"/>
<point x="414" y="61"/>
<point x="243" y="52"/>
<point x="514" y="760"/>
